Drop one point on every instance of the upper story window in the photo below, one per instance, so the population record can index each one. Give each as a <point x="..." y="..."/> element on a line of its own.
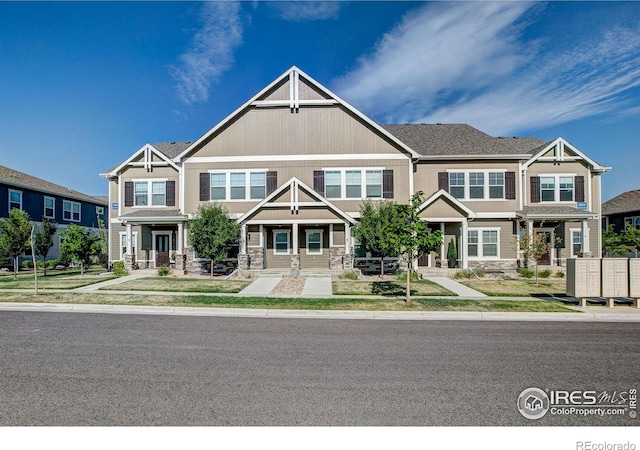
<point x="144" y="193"/>
<point x="634" y="222"/>
<point x="237" y="185"/>
<point x="49" y="207"/>
<point x="71" y="211"/>
<point x="344" y="184"/>
<point x="557" y="188"/>
<point x="485" y="185"/>
<point x="15" y="199"/>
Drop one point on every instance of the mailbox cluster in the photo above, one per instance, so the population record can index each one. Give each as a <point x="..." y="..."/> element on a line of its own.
<point x="603" y="277"/>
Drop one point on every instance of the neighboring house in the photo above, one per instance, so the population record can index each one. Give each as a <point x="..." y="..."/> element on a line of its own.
<point x="295" y="162"/>
<point x="622" y="210"/>
<point x="40" y="199"/>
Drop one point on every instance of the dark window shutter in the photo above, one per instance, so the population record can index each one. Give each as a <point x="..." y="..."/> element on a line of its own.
<point x="128" y="193"/>
<point x="579" y="182"/>
<point x="272" y="182"/>
<point x="535" y="189"/>
<point x="170" y="187"/>
<point x="387" y="183"/>
<point x="443" y="181"/>
<point x="510" y="185"/>
<point x="205" y="187"/>
<point x="318" y="181"/>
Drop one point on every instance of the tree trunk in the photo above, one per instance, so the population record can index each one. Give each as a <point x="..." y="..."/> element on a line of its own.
<point x="33" y="258"/>
<point x="382" y="267"/>
<point x="44" y="265"/>
<point x="211" y="268"/>
<point x="81" y="268"/>
<point x="15" y="267"/>
<point x="407" y="300"/>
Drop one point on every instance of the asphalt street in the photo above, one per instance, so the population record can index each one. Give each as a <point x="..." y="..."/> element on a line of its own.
<point x="111" y="369"/>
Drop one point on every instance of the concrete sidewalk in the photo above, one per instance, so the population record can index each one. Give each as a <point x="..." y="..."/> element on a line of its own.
<point x="112" y="282"/>
<point x="262" y="286"/>
<point x="318" y="286"/>
<point x="459" y="289"/>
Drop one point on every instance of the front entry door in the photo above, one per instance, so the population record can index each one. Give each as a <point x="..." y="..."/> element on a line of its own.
<point x="546" y="258"/>
<point x="162" y="250"/>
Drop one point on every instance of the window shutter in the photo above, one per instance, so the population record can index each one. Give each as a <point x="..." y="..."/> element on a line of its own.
<point x="387" y="183"/>
<point x="579" y="182"/>
<point x="443" y="181"/>
<point x="510" y="185"/>
<point x="535" y="189"/>
<point x="272" y="182"/>
<point x="170" y="187"/>
<point x="205" y="187"/>
<point x="128" y="193"/>
<point x="318" y="181"/>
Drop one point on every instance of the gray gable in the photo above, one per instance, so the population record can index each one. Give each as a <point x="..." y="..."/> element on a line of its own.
<point x="461" y="139"/>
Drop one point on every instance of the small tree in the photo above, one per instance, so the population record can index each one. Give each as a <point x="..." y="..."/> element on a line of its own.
<point x="79" y="244"/>
<point x="103" y="241"/>
<point x="452" y="253"/>
<point x="44" y="240"/>
<point x="535" y="245"/>
<point x="212" y="232"/>
<point x="15" y="232"/>
<point x="370" y="231"/>
<point x="613" y="243"/>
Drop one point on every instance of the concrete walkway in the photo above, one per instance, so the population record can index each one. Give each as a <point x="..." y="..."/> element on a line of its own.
<point x="318" y="286"/>
<point x="459" y="289"/>
<point x="261" y="286"/>
<point x="112" y="282"/>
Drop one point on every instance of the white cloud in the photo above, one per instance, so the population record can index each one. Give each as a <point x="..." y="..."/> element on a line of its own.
<point x="300" y="11"/>
<point x="467" y="62"/>
<point x="211" y="51"/>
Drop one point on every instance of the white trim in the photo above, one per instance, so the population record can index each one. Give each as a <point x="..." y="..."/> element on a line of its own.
<point x="276" y="103"/>
<point x="71" y="219"/>
<point x="292" y="221"/>
<point x="480" y="243"/>
<point x="247" y="184"/>
<point x="134" y="236"/>
<point x="456" y="203"/>
<point x="147" y="149"/>
<point x="572" y="243"/>
<point x="486" y="187"/>
<point x="9" y="198"/>
<point x="288" y="233"/>
<point x="294" y="157"/>
<point x="562" y="142"/>
<point x="309" y="231"/>
<point x="44" y="207"/>
<point x="401" y="145"/>
<point x="496" y="215"/>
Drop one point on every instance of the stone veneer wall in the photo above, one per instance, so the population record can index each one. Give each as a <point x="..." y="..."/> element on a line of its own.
<point x="499" y="264"/>
<point x="336" y="256"/>
<point x="256" y="258"/>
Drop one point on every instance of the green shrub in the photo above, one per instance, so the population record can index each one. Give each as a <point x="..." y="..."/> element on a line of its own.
<point x="349" y="275"/>
<point x="546" y="273"/>
<point x="163" y="271"/>
<point x="118" y="269"/>
<point x="40" y="264"/>
<point x="52" y="263"/>
<point x="559" y="274"/>
<point x="26" y="264"/>
<point x="527" y="273"/>
<point x="402" y="276"/>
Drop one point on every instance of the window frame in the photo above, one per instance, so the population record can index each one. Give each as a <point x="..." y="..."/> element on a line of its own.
<point x="71" y="211"/>
<point x="309" y="232"/>
<point x="573" y="241"/>
<point x="53" y="208"/>
<point x="15" y="191"/>
<point x="149" y="192"/>
<point x="634" y="221"/>
<point x="466" y="187"/>
<point x="480" y="244"/>
<point x="134" y="243"/>
<point x="275" y="248"/>
<point x="249" y="184"/>
<point x="363" y="184"/>
<point x="557" y="190"/>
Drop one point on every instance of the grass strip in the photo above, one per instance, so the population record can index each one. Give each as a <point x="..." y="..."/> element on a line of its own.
<point x="518" y="288"/>
<point x="389" y="288"/>
<point x="171" y="284"/>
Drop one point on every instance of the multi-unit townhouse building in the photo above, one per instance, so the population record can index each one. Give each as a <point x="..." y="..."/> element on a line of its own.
<point x="295" y="162"/>
<point x="622" y="211"/>
<point x="43" y="199"/>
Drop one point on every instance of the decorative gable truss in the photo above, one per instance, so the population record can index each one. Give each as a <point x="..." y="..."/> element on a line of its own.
<point x="559" y="150"/>
<point x="147" y="157"/>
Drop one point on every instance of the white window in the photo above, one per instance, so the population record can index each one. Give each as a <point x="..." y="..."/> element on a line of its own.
<point x="576" y="241"/>
<point x="71" y="211"/>
<point x="634" y="222"/>
<point x="477" y="185"/>
<point x="158" y="193"/>
<point x="49" y="207"/>
<point x="123" y="243"/>
<point x="483" y="243"/>
<point x="15" y="199"/>
<point x="314" y="242"/>
<point x="149" y="193"/>
<point x="554" y="188"/>
<point x="238" y="185"/>
<point x="281" y="242"/>
<point x="141" y="193"/>
<point x="99" y="210"/>
<point x="352" y="183"/>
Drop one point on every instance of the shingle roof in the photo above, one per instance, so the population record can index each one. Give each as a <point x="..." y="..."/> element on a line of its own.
<point x="171" y="149"/>
<point x="22" y="180"/>
<point x="553" y="211"/>
<point x="625" y="202"/>
<point x="460" y="139"/>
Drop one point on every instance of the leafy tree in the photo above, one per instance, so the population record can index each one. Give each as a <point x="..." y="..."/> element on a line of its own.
<point x="613" y="243"/>
<point x="103" y="240"/>
<point x="534" y="246"/>
<point x="44" y="240"/>
<point x="79" y="244"/>
<point x="212" y="232"/>
<point x="390" y="228"/>
<point x="15" y="232"/>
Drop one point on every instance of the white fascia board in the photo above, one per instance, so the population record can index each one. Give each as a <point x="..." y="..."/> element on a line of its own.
<point x="466" y="157"/>
<point x="286" y="74"/>
<point x="442" y="193"/>
<point x="296" y="157"/>
<point x="563" y="142"/>
<point x="118" y="169"/>
<point x="496" y="215"/>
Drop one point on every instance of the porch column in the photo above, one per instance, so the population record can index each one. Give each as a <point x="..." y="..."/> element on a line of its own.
<point x="442" y="249"/>
<point x="585" y="237"/>
<point x="463" y="243"/>
<point x="129" y="239"/>
<point x="294" y="239"/>
<point x="347" y="239"/>
<point x="179" y="238"/>
<point x="243" y="241"/>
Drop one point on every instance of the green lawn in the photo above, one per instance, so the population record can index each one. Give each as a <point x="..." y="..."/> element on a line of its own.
<point x="59" y="281"/>
<point x="394" y="288"/>
<point x="173" y="284"/>
<point x="349" y="304"/>
<point x="519" y="288"/>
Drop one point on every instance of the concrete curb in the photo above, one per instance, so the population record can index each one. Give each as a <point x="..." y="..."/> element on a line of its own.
<point x="318" y="314"/>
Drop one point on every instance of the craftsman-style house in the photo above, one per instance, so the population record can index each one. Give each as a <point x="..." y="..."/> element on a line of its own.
<point x="294" y="163"/>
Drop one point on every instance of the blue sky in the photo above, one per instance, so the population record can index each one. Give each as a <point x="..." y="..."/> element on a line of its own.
<point x="83" y="84"/>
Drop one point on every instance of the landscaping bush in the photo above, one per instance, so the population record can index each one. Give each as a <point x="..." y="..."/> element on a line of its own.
<point x="559" y="274"/>
<point x="52" y="263"/>
<point x="26" y="264"/>
<point x="40" y="264"/>
<point x="118" y="269"/>
<point x="546" y="273"/>
<point x="349" y="275"/>
<point x="527" y="273"/>
<point x="163" y="271"/>
<point x="402" y="276"/>
<point x="468" y="274"/>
